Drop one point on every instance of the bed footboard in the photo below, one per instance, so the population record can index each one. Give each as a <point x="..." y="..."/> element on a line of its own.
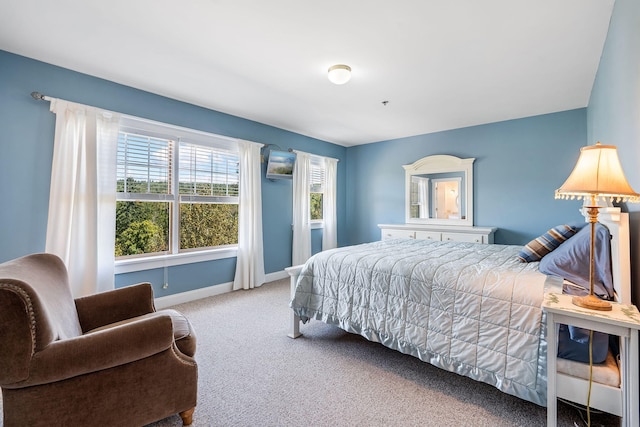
<point x="294" y="272"/>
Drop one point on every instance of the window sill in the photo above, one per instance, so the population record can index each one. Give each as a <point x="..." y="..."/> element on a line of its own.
<point x="316" y="224"/>
<point x="160" y="261"/>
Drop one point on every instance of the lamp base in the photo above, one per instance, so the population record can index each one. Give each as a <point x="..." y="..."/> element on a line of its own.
<point x="591" y="302"/>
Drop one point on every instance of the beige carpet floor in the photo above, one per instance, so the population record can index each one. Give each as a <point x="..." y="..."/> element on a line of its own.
<point x="252" y="374"/>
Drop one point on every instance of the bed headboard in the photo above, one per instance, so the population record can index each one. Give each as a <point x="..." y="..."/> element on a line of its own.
<point x="618" y="224"/>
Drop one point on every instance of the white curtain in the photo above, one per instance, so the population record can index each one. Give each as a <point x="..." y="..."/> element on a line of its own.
<point x="250" y="264"/>
<point x="330" y="229"/>
<point x="81" y="222"/>
<point x="301" y="248"/>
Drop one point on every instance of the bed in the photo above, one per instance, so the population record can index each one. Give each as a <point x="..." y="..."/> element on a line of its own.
<point x="468" y="308"/>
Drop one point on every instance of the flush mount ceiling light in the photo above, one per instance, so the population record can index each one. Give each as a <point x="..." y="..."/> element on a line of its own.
<point x="339" y="74"/>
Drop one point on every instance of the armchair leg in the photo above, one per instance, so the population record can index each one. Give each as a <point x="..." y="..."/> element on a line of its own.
<point x="187" y="416"/>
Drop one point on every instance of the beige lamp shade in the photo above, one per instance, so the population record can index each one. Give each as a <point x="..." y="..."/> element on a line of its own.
<point x="597" y="174"/>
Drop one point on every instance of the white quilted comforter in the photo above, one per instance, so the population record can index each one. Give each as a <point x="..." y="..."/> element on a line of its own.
<point x="468" y="308"/>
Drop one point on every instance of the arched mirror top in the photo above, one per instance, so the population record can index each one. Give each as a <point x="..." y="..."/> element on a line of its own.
<point x="439" y="190"/>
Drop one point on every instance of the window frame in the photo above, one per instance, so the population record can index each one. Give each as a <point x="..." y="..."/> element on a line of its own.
<point x="175" y="256"/>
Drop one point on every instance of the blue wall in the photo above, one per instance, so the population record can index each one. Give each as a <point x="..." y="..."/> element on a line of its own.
<point x="519" y="164"/>
<point x="27" y="148"/>
<point x="614" y="108"/>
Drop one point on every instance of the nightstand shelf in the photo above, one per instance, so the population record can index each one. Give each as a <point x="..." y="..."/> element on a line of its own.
<point x="623" y="321"/>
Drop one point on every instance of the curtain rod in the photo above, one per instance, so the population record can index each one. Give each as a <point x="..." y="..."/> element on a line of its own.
<point x="40" y="97"/>
<point x="316" y="155"/>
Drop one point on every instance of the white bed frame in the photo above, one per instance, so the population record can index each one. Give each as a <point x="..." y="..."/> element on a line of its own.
<point x="603" y="397"/>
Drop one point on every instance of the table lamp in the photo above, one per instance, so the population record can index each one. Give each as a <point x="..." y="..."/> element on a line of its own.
<point x="597" y="175"/>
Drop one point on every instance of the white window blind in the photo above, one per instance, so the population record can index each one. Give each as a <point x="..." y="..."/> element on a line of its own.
<point x="143" y="167"/>
<point x="205" y="173"/>
<point x="208" y="174"/>
<point x="316" y="187"/>
<point x="317" y="174"/>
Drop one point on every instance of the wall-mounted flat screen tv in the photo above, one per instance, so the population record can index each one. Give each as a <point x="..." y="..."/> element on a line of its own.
<point x="280" y="165"/>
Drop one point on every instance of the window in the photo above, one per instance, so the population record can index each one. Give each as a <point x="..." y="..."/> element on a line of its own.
<point x="317" y="181"/>
<point x="177" y="190"/>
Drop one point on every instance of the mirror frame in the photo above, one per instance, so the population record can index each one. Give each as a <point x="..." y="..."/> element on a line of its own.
<point x="441" y="163"/>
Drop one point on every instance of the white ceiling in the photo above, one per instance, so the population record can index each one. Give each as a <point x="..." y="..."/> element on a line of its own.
<point x="441" y="64"/>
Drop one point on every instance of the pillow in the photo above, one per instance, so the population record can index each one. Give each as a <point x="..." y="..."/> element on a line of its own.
<point x="536" y="249"/>
<point x="577" y="348"/>
<point x="571" y="261"/>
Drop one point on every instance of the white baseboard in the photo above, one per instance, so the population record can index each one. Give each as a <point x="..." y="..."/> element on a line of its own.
<point x="278" y="275"/>
<point x="196" y="294"/>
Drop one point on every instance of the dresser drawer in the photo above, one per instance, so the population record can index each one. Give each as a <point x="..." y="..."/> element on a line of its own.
<point x="388" y="233"/>
<point x="428" y="235"/>
<point x="463" y="237"/>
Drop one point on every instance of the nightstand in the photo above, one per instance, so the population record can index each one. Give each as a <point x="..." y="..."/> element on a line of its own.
<point x="624" y="321"/>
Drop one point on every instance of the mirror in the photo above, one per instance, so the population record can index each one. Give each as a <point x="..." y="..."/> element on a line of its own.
<point x="439" y="190"/>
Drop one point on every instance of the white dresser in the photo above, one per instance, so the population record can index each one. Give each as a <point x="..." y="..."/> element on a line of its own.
<point x="438" y="232"/>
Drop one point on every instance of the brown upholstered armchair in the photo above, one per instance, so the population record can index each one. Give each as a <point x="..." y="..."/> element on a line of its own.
<point x="107" y="359"/>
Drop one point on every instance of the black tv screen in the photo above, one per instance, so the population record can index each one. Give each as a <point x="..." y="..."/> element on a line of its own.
<point x="280" y="165"/>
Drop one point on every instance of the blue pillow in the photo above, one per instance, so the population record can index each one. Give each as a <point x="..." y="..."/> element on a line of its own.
<point x="571" y="261"/>
<point x="574" y="347"/>
<point x="536" y="249"/>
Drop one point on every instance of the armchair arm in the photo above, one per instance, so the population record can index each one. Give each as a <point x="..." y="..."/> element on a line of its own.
<point x="101" y="350"/>
<point x="101" y="309"/>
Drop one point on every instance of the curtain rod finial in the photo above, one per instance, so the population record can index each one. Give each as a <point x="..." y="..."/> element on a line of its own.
<point x="38" y="96"/>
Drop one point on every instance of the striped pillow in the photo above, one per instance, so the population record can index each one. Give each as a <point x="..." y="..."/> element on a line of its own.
<point x="540" y="246"/>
